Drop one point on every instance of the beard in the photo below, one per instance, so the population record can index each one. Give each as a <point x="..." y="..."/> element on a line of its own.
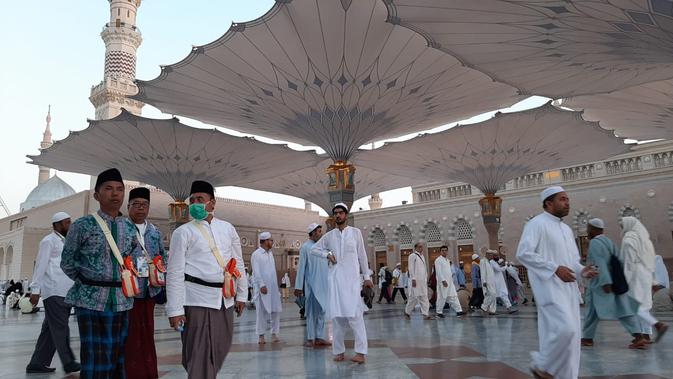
<point x="340" y="222"/>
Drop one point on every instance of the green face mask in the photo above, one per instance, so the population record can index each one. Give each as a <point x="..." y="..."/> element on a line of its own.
<point x="198" y="211"/>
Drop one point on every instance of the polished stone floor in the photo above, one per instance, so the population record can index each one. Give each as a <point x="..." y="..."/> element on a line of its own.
<point x="494" y="347"/>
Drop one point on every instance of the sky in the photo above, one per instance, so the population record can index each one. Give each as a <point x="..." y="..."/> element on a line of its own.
<point x="53" y="54"/>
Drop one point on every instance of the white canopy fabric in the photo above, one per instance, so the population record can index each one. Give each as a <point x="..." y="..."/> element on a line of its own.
<point x="551" y="48"/>
<point x="490" y="153"/>
<point x="170" y="155"/>
<point x="643" y="112"/>
<point x="332" y="74"/>
<point x="311" y="183"/>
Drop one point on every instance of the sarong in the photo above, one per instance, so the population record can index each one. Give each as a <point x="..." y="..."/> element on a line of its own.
<point x="102" y="337"/>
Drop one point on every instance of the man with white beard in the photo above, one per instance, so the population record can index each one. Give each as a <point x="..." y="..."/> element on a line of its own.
<point x="500" y="286"/>
<point x="268" y="304"/>
<point x="418" y="293"/>
<point x="344" y="248"/>
<point x="637" y="254"/>
<point x="446" y="290"/>
<point x="547" y="248"/>
<point x="488" y="306"/>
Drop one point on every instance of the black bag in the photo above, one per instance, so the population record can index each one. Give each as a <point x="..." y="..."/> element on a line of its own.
<point x="389" y="277"/>
<point x="619" y="284"/>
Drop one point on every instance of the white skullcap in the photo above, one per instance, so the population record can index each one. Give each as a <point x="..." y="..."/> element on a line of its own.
<point x="489" y="251"/>
<point x="475" y="256"/>
<point x="553" y="190"/>
<point x="398" y="264"/>
<point x="60" y="216"/>
<point x="340" y="205"/>
<point x="597" y="223"/>
<point x="312" y="227"/>
<point x="264" y="236"/>
<point x="461" y="262"/>
<point x="500" y="260"/>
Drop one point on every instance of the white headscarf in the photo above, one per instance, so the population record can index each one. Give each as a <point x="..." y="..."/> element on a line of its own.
<point x="638" y="237"/>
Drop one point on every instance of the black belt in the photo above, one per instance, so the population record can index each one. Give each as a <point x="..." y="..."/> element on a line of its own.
<point x="99" y="283"/>
<point x="193" y="279"/>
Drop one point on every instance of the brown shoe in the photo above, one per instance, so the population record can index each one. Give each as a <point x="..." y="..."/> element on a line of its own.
<point x="320" y="342"/>
<point x="587" y="342"/>
<point x="358" y="358"/>
<point x="661" y="329"/>
<point x="640" y="344"/>
<point x="539" y="374"/>
<point x="308" y="343"/>
<point x="261" y="340"/>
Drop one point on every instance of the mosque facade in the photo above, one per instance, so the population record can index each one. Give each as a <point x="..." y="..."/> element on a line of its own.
<point x="638" y="184"/>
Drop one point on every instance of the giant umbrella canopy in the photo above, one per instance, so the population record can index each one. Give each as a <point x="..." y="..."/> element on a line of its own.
<point x="310" y="183"/>
<point x="332" y="74"/>
<point x="489" y="154"/>
<point x="552" y="48"/>
<point x="643" y="112"/>
<point x="170" y="155"/>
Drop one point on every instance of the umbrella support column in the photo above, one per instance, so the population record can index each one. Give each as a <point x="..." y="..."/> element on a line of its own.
<point x="490" y="213"/>
<point x="341" y="187"/>
<point x="178" y="214"/>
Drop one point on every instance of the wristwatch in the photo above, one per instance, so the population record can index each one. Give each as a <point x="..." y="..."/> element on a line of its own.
<point x="329" y="254"/>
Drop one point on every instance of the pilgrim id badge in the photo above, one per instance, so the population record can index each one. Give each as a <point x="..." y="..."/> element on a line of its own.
<point x="143" y="267"/>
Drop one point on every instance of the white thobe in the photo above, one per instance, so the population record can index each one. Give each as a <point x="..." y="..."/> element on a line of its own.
<point x="488" y="285"/>
<point x="345" y="304"/>
<point x="418" y="271"/>
<point x="546" y="244"/>
<point x="48" y="277"/>
<point x="268" y="306"/>
<point x="500" y="284"/>
<point x="444" y="273"/>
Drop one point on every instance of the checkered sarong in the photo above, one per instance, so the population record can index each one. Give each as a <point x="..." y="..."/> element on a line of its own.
<point x="102" y="337"/>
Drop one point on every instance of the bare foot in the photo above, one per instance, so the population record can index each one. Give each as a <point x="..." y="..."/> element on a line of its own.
<point x="261" y="340"/>
<point x="308" y="343"/>
<point x="274" y="338"/>
<point x="358" y="358"/>
<point x="539" y="374"/>
<point x="339" y="357"/>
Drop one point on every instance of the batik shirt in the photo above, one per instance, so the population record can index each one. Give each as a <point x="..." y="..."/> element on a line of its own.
<point x="154" y="246"/>
<point x="87" y="254"/>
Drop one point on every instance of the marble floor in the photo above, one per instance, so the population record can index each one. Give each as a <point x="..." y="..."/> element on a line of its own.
<point x="477" y="347"/>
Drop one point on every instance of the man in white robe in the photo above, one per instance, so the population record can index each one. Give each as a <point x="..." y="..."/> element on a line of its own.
<point x="267" y="300"/>
<point x="488" y="306"/>
<point x="547" y="248"/>
<point x="500" y="285"/>
<point x="344" y="248"/>
<point x="638" y="256"/>
<point x="446" y="289"/>
<point x="418" y="292"/>
<point x="311" y="282"/>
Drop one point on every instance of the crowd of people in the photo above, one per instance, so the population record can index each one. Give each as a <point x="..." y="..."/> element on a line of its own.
<point x="113" y="270"/>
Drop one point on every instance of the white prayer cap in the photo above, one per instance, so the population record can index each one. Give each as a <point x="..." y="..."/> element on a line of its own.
<point x="340" y="205"/>
<point x="461" y="262"/>
<point x="60" y="216"/>
<point x="312" y="227"/>
<point x="489" y="251"/>
<point x="597" y="223"/>
<point x="398" y="264"/>
<point x="553" y="190"/>
<point x="475" y="256"/>
<point x="500" y="260"/>
<point x="264" y="236"/>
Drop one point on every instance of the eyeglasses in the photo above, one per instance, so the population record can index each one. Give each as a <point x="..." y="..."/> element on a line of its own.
<point x="138" y="205"/>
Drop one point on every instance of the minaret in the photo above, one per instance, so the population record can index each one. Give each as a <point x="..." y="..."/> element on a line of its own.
<point x="375" y="202"/>
<point x="46" y="142"/>
<point x="122" y="39"/>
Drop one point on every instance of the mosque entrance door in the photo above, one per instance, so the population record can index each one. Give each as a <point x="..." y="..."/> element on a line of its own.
<point x="404" y="255"/>
<point x="381" y="258"/>
<point x="433" y="253"/>
<point x="465" y="254"/>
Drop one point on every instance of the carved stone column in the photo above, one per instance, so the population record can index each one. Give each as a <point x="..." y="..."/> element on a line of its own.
<point x="490" y="213"/>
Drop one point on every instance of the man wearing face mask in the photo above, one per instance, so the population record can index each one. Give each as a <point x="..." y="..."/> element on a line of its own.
<point x="195" y="276"/>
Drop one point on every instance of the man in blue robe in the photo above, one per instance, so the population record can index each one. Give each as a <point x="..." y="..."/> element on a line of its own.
<point x="601" y="303"/>
<point x="311" y="282"/>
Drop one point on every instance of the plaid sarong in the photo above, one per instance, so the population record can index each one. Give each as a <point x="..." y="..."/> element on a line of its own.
<point x="102" y="337"/>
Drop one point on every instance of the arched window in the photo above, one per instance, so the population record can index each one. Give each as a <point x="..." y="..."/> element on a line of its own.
<point x="2" y="256"/>
<point x="404" y="236"/>
<point x="432" y="233"/>
<point x="463" y="229"/>
<point x="10" y="255"/>
<point x="378" y="237"/>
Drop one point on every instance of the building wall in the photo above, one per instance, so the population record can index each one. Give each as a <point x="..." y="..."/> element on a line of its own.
<point x="640" y="181"/>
